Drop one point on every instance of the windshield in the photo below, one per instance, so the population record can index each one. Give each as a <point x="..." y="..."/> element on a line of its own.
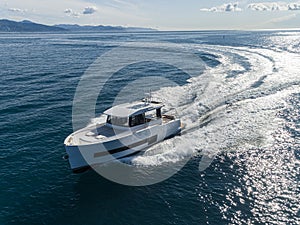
<point x="118" y="121"/>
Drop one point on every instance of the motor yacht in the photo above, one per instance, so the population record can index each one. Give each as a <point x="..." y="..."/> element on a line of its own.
<point x="129" y="129"/>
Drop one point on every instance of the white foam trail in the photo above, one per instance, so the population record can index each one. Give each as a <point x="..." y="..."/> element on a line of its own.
<point x="248" y="122"/>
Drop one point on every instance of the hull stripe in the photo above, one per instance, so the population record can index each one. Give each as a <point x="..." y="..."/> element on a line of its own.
<point x="149" y="140"/>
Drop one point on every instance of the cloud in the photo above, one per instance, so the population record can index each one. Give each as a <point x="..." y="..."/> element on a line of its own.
<point x="70" y="12"/>
<point x="268" y="6"/>
<point x="86" y="10"/>
<point x="259" y="6"/>
<point x="294" y="6"/>
<point x="67" y="11"/>
<point x="89" y="10"/>
<point x="273" y="6"/>
<point x="228" y="7"/>
<point x="16" y="10"/>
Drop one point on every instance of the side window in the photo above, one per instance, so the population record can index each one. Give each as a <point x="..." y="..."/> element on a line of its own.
<point x="158" y="113"/>
<point x="118" y="121"/>
<point x="137" y="120"/>
<point x="108" y="120"/>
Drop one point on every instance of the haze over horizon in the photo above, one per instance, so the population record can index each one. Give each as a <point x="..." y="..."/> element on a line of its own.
<point x="158" y="14"/>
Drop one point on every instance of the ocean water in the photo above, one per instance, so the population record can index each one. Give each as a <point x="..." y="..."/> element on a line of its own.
<point x="242" y="110"/>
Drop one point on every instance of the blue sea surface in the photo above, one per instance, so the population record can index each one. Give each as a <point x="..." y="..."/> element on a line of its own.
<point x="252" y="98"/>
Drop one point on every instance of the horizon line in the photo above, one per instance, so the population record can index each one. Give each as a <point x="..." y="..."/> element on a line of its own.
<point x="166" y="29"/>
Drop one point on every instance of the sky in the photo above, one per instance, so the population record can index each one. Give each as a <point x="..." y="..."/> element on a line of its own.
<point x="158" y="14"/>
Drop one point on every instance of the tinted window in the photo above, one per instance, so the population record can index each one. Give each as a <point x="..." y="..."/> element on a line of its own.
<point x="137" y="120"/>
<point x="118" y="121"/>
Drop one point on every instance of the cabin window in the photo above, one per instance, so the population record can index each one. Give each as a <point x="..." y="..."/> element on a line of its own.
<point x="137" y="120"/>
<point x="118" y="121"/>
<point x="158" y="113"/>
<point x="150" y="115"/>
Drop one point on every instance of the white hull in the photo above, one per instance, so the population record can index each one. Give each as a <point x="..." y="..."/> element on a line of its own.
<point x="83" y="155"/>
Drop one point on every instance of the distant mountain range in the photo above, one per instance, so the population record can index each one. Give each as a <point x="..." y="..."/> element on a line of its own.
<point x="99" y="28"/>
<point x="28" y="26"/>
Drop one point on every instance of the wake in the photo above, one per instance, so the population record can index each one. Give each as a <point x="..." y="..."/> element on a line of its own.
<point x="230" y="107"/>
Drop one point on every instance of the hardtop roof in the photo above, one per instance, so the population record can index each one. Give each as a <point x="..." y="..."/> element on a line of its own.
<point x="132" y="109"/>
